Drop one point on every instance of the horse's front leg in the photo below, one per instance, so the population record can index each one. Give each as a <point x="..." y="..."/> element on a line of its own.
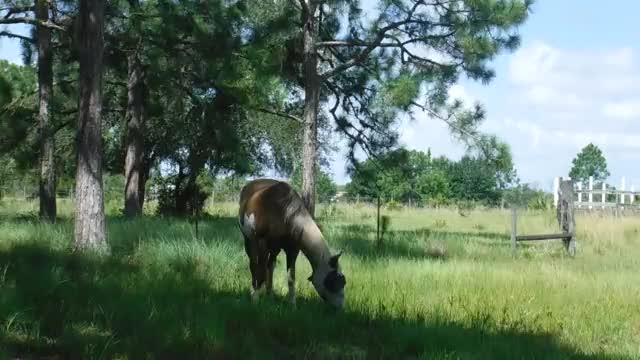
<point x="271" y="264"/>
<point x="257" y="278"/>
<point x="291" y="275"/>
<point x="257" y="265"/>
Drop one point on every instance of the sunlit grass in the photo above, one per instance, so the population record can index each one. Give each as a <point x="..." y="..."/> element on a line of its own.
<point x="166" y="293"/>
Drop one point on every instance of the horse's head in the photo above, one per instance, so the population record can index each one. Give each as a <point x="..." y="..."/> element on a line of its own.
<point x="329" y="281"/>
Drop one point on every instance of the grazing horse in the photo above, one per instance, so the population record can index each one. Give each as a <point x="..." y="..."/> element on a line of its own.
<point x="272" y="217"/>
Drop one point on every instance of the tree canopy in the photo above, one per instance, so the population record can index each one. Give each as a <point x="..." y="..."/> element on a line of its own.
<point x="589" y="162"/>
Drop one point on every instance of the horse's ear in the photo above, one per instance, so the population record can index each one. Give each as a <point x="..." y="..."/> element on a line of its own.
<point x="333" y="261"/>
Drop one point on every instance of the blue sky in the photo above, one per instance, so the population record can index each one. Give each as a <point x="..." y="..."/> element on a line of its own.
<point x="575" y="79"/>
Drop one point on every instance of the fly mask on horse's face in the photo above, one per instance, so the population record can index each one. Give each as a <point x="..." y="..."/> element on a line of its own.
<point x="329" y="282"/>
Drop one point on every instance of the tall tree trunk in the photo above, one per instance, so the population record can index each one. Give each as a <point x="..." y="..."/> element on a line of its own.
<point x="146" y="166"/>
<point x="90" y="230"/>
<point x="311" y="100"/>
<point x="47" y="144"/>
<point x="133" y="168"/>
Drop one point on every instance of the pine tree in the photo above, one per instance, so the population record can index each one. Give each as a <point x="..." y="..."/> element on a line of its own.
<point x="372" y="70"/>
<point x="589" y="162"/>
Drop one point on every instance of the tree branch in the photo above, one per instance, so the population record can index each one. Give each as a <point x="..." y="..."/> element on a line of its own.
<point x="447" y="120"/>
<point x="277" y="113"/>
<point x="65" y="123"/>
<point x="336" y="93"/>
<point x="16" y="36"/>
<point x="116" y="83"/>
<point x="16" y="10"/>
<point x="47" y="24"/>
<point x="305" y="8"/>
<point x="419" y="59"/>
<point x="339" y="43"/>
<point x="364" y="54"/>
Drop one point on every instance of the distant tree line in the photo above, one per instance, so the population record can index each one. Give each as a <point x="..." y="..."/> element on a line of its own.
<point x="416" y="177"/>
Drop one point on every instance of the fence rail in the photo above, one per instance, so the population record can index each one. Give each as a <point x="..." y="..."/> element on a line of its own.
<point x="565" y="216"/>
<point x="608" y="197"/>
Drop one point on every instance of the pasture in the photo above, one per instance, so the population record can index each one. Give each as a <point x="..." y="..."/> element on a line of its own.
<point x="444" y="286"/>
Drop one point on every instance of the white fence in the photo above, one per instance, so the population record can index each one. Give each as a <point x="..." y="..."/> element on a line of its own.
<point x="608" y="197"/>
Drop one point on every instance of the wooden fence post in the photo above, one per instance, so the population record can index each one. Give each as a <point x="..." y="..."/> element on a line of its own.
<point x="604" y="194"/>
<point x="565" y="215"/>
<point x="590" y="192"/>
<point x="580" y="194"/>
<point x="514" y="230"/>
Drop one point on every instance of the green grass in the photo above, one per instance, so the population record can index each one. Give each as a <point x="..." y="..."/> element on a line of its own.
<point x="444" y="286"/>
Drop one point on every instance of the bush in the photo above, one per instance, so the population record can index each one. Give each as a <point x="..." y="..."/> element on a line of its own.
<point x="393" y="205"/>
<point x="330" y="211"/>
<point x="465" y="206"/>
<point x="182" y="200"/>
<point x="113" y="187"/>
<point x="439" y="200"/>
<point x="166" y="195"/>
<point x="440" y="224"/>
<point x="540" y="202"/>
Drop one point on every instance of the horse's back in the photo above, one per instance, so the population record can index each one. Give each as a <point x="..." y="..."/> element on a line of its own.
<point x="257" y="202"/>
<point x="254" y="186"/>
<point x="269" y="205"/>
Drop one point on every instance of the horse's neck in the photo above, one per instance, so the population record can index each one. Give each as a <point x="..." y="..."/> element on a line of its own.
<point x="312" y="243"/>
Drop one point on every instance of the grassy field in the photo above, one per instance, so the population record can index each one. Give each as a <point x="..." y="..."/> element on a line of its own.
<point x="444" y="286"/>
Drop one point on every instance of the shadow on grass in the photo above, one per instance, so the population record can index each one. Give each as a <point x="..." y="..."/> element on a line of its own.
<point x="72" y="306"/>
<point x="411" y="244"/>
<point x="126" y="234"/>
<point x="28" y="217"/>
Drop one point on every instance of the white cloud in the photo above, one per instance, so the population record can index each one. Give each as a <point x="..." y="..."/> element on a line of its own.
<point x="621" y="58"/>
<point x="624" y="110"/>
<point x="423" y="132"/>
<point x="458" y="91"/>
<point x="555" y="79"/>
<point x="581" y="94"/>
<point x="533" y="131"/>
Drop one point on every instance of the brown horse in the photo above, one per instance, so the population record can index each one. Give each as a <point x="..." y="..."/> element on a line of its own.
<point x="272" y="217"/>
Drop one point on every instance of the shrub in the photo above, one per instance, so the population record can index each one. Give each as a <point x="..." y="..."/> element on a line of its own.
<point x="440" y="224"/>
<point x="540" y="202"/>
<point x="393" y="205"/>
<point x="182" y="200"/>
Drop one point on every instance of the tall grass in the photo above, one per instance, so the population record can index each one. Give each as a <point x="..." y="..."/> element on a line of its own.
<point x="443" y="286"/>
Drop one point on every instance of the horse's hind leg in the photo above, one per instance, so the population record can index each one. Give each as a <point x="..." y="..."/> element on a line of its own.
<point x="254" y="279"/>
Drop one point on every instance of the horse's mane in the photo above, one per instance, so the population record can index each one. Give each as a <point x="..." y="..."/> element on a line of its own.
<point x="289" y="200"/>
<point x="291" y="205"/>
